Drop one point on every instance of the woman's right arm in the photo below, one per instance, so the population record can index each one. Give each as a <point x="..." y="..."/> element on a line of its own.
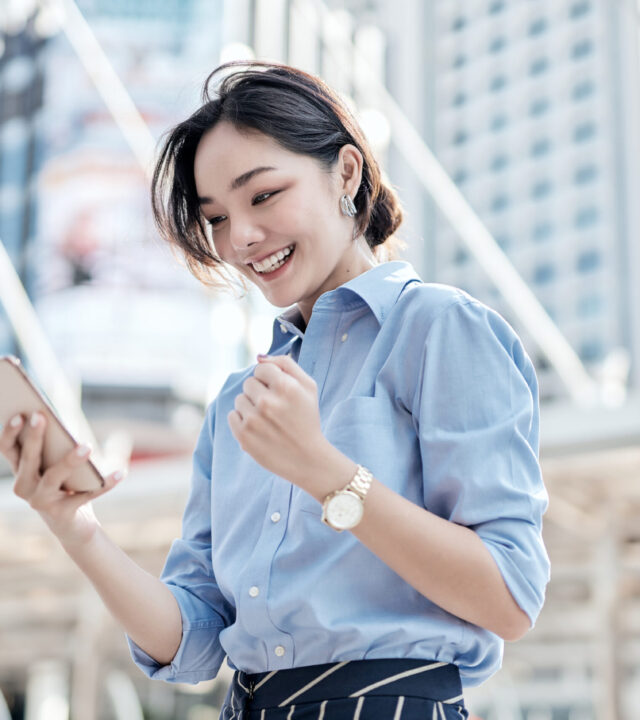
<point x="140" y="602"/>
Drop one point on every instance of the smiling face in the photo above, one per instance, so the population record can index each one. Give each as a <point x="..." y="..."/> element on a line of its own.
<point x="261" y="199"/>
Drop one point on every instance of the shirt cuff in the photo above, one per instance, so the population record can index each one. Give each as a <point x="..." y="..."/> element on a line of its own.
<point x="199" y="655"/>
<point x="527" y="586"/>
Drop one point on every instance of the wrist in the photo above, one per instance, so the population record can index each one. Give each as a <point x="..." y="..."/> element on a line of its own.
<point x="330" y="470"/>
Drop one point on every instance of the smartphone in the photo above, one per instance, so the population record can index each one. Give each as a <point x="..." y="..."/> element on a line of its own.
<point x="18" y="395"/>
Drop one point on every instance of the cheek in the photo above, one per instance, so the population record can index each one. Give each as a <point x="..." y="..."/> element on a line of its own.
<point x="304" y="218"/>
<point x="221" y="245"/>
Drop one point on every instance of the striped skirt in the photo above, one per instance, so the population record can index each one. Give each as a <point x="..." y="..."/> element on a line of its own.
<point x="393" y="689"/>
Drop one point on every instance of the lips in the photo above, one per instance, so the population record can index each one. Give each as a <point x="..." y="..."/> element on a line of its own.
<point x="262" y="258"/>
<point x="276" y="270"/>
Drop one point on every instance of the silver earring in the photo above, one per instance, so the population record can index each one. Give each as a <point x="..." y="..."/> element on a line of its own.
<point x="347" y="206"/>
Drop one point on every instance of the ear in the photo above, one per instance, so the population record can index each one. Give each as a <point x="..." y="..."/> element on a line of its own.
<point x="349" y="170"/>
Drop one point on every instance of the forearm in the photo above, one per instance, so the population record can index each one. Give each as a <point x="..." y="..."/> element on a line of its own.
<point x="446" y="562"/>
<point x="140" y="602"/>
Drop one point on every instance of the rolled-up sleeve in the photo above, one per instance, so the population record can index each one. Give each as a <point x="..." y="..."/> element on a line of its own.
<point x="478" y="426"/>
<point x="188" y="573"/>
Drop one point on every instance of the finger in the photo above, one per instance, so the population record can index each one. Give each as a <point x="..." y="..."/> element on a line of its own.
<point x="55" y="476"/>
<point x="287" y="365"/>
<point x="254" y="389"/>
<point x="243" y="406"/>
<point x="109" y="483"/>
<point x="30" y="456"/>
<point x="8" y="441"/>
<point x="78" y="499"/>
<point x="274" y="377"/>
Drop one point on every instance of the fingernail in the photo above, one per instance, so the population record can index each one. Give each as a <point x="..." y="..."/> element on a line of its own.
<point x="261" y="356"/>
<point x="117" y="476"/>
<point x="15" y="421"/>
<point x="82" y="450"/>
<point x="35" y="419"/>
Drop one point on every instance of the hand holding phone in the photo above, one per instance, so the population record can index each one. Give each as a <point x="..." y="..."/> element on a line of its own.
<point x="50" y="473"/>
<point x="19" y="396"/>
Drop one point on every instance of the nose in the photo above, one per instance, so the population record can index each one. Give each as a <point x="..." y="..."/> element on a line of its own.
<point x="243" y="233"/>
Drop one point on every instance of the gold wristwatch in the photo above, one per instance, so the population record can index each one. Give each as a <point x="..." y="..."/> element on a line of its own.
<point x="343" y="509"/>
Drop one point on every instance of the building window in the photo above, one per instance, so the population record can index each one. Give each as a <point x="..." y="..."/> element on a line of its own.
<point x="542" y="231"/>
<point x="537" y="27"/>
<point x="583" y="90"/>
<point x="539" y="107"/>
<point x="496" y="7"/>
<point x="585" y="174"/>
<point x="591" y="350"/>
<point x="541" y="190"/>
<point x="498" y="122"/>
<point x="497" y="44"/>
<point x="459" y="99"/>
<point x="541" y="362"/>
<point x="499" y="203"/>
<point x="458" y="24"/>
<point x="499" y="162"/>
<point x="590" y="305"/>
<point x="582" y="49"/>
<point x="503" y="241"/>
<point x="543" y="274"/>
<point x="579" y="9"/>
<point x="461" y="256"/>
<point x="460" y="138"/>
<point x="586" y="217"/>
<point x="538" y="66"/>
<point x="588" y="261"/>
<point x="541" y="147"/>
<point x="459" y="61"/>
<point x="498" y="83"/>
<point x="460" y="176"/>
<point x="584" y="132"/>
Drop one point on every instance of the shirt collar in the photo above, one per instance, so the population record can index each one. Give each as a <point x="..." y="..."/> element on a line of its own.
<point x="379" y="287"/>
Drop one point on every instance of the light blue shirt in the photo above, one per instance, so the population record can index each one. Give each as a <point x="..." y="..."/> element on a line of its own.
<point x="433" y="392"/>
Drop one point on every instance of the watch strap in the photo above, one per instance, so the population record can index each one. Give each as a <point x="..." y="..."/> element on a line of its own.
<point x="361" y="482"/>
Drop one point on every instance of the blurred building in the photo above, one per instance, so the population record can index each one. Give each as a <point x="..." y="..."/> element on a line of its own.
<point x="21" y="97"/>
<point x="132" y="314"/>
<point x="535" y="117"/>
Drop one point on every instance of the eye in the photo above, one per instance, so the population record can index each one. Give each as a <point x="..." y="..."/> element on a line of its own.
<point x="264" y="196"/>
<point x="216" y="220"/>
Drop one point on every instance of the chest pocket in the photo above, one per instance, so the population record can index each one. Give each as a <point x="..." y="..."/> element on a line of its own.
<point x="365" y="430"/>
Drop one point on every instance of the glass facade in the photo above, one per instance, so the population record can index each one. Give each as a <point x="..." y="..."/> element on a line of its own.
<point x="525" y="103"/>
<point x="21" y="93"/>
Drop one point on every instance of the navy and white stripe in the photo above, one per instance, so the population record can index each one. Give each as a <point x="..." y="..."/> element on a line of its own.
<point x="381" y="689"/>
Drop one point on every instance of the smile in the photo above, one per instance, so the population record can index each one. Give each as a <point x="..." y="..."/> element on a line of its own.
<point x="275" y="261"/>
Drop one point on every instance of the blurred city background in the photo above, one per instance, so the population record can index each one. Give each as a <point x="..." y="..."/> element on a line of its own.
<point x="511" y="130"/>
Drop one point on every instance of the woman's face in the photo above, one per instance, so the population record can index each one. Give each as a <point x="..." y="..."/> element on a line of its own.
<point x="261" y="199"/>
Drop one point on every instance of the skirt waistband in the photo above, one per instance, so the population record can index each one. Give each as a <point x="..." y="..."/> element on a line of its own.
<point x="428" y="679"/>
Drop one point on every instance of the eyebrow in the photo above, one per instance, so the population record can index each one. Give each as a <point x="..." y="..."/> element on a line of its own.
<point x="240" y="180"/>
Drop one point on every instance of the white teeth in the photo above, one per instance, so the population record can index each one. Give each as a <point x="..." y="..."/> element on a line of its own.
<point x="270" y="262"/>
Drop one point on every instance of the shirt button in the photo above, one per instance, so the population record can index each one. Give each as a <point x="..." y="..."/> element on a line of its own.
<point x="279" y="651"/>
<point x="275" y="517"/>
<point x="283" y="328"/>
<point x="254" y="591"/>
<point x="344" y="337"/>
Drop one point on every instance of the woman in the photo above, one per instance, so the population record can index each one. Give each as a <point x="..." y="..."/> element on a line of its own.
<point x="404" y="413"/>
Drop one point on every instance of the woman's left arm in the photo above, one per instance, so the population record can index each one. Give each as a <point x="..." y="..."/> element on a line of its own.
<point x="446" y="562"/>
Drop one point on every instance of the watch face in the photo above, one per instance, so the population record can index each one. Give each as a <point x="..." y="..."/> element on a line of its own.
<point x="344" y="511"/>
